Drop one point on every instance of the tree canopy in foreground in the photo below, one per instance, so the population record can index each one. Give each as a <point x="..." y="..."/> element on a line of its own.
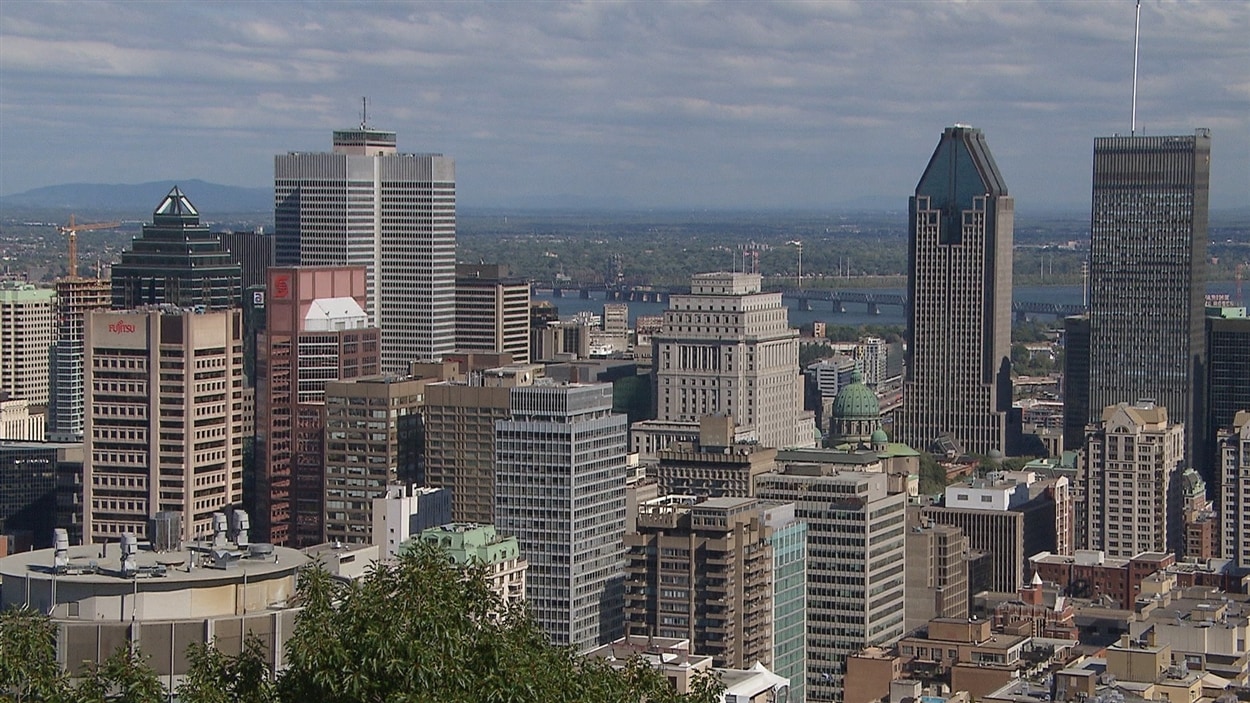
<point x="418" y="629"/>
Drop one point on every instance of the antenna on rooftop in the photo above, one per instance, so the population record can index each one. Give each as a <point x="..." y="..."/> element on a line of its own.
<point x="364" y="101"/>
<point x="1136" y="43"/>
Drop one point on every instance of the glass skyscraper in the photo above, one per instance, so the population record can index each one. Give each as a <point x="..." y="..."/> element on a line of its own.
<point x="958" y="390"/>
<point x="1148" y="243"/>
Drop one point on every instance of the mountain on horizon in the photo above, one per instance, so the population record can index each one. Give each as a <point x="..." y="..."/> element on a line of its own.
<point x="209" y="198"/>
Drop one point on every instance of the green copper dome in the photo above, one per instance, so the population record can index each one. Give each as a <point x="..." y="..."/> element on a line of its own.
<point x="880" y="437"/>
<point x="856" y="401"/>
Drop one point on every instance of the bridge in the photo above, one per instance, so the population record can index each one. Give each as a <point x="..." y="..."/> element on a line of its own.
<point x="874" y="300"/>
<point x="836" y="299"/>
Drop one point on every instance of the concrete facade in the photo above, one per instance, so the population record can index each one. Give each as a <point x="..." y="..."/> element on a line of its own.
<point x="27" y="331"/>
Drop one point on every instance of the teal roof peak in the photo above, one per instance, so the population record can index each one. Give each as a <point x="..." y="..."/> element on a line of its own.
<point x="856" y="401"/>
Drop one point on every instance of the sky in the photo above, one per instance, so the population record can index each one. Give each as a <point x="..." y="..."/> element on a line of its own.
<point x="720" y="105"/>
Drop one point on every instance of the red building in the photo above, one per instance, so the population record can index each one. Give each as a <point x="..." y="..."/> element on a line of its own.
<point x="316" y="330"/>
<point x="1093" y="575"/>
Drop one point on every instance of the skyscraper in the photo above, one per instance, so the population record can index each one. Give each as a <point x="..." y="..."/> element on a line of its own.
<point x="75" y="297"/>
<point x="560" y="489"/>
<point x="855" y="556"/>
<point x="492" y="311"/>
<point x="316" y="331"/>
<point x="727" y="348"/>
<point x="165" y="424"/>
<point x="1148" y="243"/>
<point x="366" y="204"/>
<point x="176" y="261"/>
<point x="959" y="293"/>
<point x="27" y="331"/>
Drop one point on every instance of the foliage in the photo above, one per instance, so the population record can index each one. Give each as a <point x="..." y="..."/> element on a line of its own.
<point x="28" y="667"/>
<point x="811" y="353"/>
<point x="932" y="475"/>
<point x="415" y="630"/>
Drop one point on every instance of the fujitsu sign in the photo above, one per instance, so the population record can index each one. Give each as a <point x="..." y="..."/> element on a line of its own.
<point x="121" y="327"/>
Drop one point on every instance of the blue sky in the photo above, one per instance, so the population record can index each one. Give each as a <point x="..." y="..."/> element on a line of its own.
<point x="650" y="104"/>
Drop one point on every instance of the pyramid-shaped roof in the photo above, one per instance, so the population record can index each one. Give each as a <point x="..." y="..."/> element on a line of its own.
<point x="177" y="205"/>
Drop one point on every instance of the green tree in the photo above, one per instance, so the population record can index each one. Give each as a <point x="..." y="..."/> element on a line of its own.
<point x="932" y="475"/>
<point x="415" y="630"/>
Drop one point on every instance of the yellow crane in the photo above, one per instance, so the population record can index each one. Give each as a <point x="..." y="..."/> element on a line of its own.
<point x="72" y="230"/>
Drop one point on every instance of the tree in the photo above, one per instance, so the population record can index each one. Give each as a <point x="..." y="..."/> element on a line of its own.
<point x="932" y="475"/>
<point x="415" y="630"/>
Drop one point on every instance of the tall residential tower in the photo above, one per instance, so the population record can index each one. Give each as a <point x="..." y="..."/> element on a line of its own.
<point x="366" y="204"/>
<point x="959" y="293"/>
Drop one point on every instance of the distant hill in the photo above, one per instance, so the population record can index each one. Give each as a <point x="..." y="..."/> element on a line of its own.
<point x="209" y="198"/>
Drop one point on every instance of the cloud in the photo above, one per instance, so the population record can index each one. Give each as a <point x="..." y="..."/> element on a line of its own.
<point x="662" y="104"/>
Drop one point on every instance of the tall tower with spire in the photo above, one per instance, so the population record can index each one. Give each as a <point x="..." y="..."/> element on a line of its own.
<point x="958" y="391"/>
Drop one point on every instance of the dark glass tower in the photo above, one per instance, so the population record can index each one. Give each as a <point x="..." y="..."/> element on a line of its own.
<point x="958" y="390"/>
<point x="1148" y="243"/>
<point x="176" y="261"/>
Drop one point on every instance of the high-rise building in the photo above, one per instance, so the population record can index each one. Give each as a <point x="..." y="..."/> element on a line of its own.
<point x="373" y="439"/>
<point x="316" y="331"/>
<point x="937" y="574"/>
<point x="252" y="252"/>
<point x="75" y="297"/>
<point x="166" y="419"/>
<point x="28" y="487"/>
<point x="560" y="489"/>
<point x="401" y="512"/>
<point x="959" y="301"/>
<point x="460" y="421"/>
<point x="855" y="540"/>
<point x="715" y="466"/>
<point x="727" y="348"/>
<point x="492" y="311"/>
<point x="1234" y="494"/>
<point x="703" y="571"/>
<point x="366" y="204"/>
<point x="176" y="261"/>
<point x="27" y="331"/>
<point x="1130" y="471"/>
<point x="1075" y="381"/>
<point x="1227" y="382"/>
<point x="1148" y="247"/>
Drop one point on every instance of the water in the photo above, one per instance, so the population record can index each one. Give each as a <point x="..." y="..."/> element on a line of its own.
<point x="855" y="315"/>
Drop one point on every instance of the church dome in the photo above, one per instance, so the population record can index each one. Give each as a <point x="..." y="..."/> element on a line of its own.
<point x="856" y="401"/>
<point x="880" y="437"/>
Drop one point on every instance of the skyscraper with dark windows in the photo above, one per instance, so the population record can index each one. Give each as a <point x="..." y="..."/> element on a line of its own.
<point x="176" y="261"/>
<point x="958" y="392"/>
<point x="1148" y="242"/>
<point x="367" y="204"/>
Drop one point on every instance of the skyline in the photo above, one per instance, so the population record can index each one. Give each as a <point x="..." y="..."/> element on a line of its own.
<point x="619" y="105"/>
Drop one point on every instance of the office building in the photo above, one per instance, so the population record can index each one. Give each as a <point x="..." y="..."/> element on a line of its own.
<point x="176" y="261"/>
<point x="1075" y="381"/>
<point x="1228" y="380"/>
<point x="560" y="489"/>
<point x="470" y="545"/>
<point x="460" y="418"/>
<point x="75" y="297"/>
<point x="316" y="331"/>
<point x="727" y="348"/>
<point x="937" y="574"/>
<point x="28" y="483"/>
<point x="166" y="419"/>
<point x="374" y="438"/>
<point x="27" y="332"/>
<point x="1234" y="493"/>
<point x="366" y="204"/>
<point x="1130" y="471"/>
<point x="959" y="301"/>
<point x="855" y="539"/>
<point x="252" y="252"/>
<point x="18" y="423"/>
<point x="1147" y="272"/>
<point x="492" y="311"/>
<point x="714" y="466"/>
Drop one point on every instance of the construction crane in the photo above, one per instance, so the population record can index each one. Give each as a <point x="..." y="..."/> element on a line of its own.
<point x="72" y="230"/>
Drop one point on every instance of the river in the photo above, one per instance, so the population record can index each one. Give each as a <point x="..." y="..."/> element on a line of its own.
<point x="856" y="314"/>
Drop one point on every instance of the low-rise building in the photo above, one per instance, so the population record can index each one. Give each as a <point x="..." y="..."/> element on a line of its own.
<point x="469" y="544"/>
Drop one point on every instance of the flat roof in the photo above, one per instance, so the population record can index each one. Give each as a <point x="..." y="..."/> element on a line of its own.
<point x="87" y="566"/>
